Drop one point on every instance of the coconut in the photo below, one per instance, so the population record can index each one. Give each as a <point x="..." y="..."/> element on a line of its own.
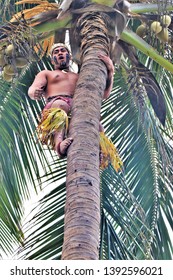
<point x="141" y="30"/>
<point x="156" y="27"/>
<point x="9" y="69"/>
<point x="165" y="20"/>
<point x="2" y="57"/>
<point x="2" y="60"/>
<point x="9" y="50"/>
<point x="21" y="62"/>
<point x="163" y="35"/>
<point x="6" y="77"/>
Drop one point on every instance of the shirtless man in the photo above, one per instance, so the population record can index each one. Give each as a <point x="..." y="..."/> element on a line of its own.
<point x="58" y="86"/>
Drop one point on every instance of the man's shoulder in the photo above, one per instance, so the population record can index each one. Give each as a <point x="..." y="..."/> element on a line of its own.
<point x="44" y="73"/>
<point x="73" y="73"/>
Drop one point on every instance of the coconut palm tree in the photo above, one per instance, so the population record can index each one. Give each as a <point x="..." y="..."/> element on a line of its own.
<point x="108" y="214"/>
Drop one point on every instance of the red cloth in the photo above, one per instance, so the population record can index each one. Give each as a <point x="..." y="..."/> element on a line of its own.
<point x="52" y="99"/>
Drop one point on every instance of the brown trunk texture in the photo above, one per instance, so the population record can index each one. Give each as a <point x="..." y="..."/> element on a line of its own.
<point x="82" y="209"/>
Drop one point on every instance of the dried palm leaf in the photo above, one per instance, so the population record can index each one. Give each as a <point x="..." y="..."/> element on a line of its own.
<point x="31" y="2"/>
<point x="109" y="153"/>
<point x="36" y="13"/>
<point x="47" y="44"/>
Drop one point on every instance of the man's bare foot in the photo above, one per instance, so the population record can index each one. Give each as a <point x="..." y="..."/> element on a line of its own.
<point x="63" y="147"/>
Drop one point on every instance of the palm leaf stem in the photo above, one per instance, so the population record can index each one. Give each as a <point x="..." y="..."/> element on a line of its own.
<point x="146" y="8"/>
<point x="133" y="39"/>
<point x="52" y="26"/>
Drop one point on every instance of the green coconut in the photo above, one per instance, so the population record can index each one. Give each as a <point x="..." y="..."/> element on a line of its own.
<point x="2" y="60"/>
<point x="141" y="30"/>
<point x="21" y="62"/>
<point x="6" y="77"/>
<point x="165" y="20"/>
<point x="156" y="27"/>
<point x="9" y="50"/>
<point x="9" y="69"/>
<point x="163" y="35"/>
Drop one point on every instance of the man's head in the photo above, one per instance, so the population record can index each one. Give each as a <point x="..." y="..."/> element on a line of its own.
<point x="60" y="56"/>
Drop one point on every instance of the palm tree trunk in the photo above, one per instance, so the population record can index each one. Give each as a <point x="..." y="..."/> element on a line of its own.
<point x="82" y="209"/>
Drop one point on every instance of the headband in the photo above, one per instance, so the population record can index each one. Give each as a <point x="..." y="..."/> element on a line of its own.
<point x="58" y="45"/>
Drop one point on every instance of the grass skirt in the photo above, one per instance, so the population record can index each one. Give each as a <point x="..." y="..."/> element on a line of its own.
<point x="109" y="153"/>
<point x="55" y="119"/>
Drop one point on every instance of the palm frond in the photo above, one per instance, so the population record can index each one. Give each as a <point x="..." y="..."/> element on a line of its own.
<point x="22" y="160"/>
<point x="144" y="182"/>
<point x="133" y="197"/>
<point x="46" y="237"/>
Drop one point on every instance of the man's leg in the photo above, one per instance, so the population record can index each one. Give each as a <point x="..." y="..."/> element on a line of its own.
<point x="61" y="143"/>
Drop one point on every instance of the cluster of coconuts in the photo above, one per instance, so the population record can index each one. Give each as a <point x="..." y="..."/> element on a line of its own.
<point x="160" y="28"/>
<point x="11" y="61"/>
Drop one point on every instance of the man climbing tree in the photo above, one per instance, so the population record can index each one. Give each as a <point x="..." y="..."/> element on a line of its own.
<point x="57" y="87"/>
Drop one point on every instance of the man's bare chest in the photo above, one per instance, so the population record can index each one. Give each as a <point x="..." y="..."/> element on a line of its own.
<point x="61" y="77"/>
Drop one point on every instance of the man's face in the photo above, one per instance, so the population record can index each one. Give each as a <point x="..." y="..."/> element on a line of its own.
<point x="60" y="58"/>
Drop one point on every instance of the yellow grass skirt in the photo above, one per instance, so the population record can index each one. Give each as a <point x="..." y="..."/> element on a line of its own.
<point x="109" y="153"/>
<point x="55" y="119"/>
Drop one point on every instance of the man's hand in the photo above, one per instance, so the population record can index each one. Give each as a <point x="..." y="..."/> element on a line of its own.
<point x="108" y="62"/>
<point x="38" y="87"/>
<point x="110" y="68"/>
<point x="38" y="94"/>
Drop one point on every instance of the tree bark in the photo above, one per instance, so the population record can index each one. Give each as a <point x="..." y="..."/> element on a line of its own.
<point x="82" y="209"/>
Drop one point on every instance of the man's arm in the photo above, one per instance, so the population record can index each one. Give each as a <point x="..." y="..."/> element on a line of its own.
<point x="110" y="67"/>
<point x="37" y="89"/>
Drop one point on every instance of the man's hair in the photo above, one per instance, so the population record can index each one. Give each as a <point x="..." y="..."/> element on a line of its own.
<point x="58" y="45"/>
